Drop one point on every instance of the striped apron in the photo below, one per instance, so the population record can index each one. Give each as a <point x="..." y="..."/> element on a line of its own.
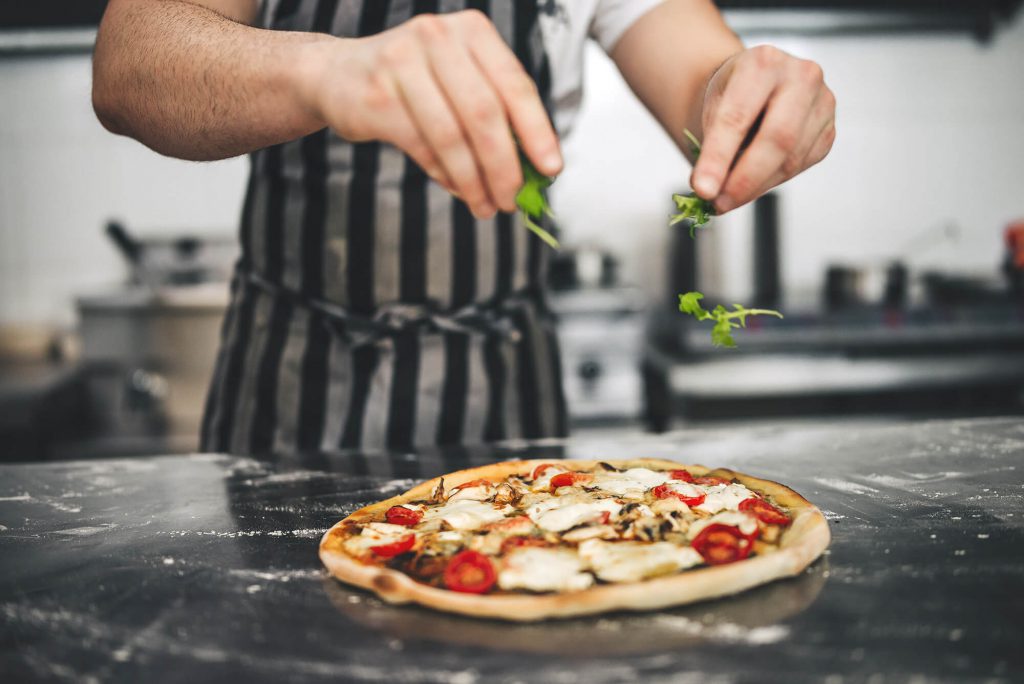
<point x="370" y="309"/>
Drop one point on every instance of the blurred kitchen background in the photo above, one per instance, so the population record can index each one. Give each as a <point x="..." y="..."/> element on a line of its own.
<point x="897" y="261"/>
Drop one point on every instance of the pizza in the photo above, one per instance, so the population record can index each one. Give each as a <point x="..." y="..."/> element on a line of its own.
<point x="529" y="540"/>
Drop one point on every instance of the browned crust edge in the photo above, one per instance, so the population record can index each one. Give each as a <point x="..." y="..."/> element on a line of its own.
<point x="801" y="544"/>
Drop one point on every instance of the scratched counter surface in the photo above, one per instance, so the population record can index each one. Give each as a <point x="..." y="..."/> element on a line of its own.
<point x="205" y="568"/>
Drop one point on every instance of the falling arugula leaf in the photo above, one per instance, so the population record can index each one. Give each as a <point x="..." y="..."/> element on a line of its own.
<point x="531" y="200"/>
<point x="690" y="206"/>
<point x="725" y="320"/>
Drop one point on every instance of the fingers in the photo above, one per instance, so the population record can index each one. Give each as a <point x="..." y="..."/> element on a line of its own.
<point x="438" y="125"/>
<point x="780" y="145"/>
<point x="730" y="116"/>
<point x="463" y="94"/>
<point x="518" y="94"/>
<point x="482" y="117"/>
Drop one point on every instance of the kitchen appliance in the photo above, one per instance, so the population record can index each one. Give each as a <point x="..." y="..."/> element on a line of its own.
<point x="882" y="340"/>
<point x="600" y="330"/>
<point x="148" y="348"/>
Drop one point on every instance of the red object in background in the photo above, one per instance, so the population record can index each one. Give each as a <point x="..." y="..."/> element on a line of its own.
<point x="1014" y="237"/>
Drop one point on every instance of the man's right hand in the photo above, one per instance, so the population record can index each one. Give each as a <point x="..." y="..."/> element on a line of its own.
<point x="449" y="92"/>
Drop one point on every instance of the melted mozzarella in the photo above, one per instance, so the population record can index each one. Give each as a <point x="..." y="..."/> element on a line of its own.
<point x="478" y="493"/>
<point x="544" y="569"/>
<point x="635" y="561"/>
<point x="669" y="505"/>
<point x="559" y="513"/>
<point x="723" y="498"/>
<point x="375" y="534"/>
<point x="466" y="514"/>
<point x="746" y="523"/>
<point x="632" y="483"/>
<point x="566" y="517"/>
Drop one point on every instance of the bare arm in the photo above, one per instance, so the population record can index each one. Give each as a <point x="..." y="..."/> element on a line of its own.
<point x="192" y="80"/>
<point x="692" y="72"/>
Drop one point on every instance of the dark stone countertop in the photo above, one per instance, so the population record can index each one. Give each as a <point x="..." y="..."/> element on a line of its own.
<point x="204" y="568"/>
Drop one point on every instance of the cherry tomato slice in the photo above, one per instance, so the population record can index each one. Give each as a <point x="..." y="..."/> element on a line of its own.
<point x="472" y="483"/>
<point x="606" y="517"/>
<point x="664" y="492"/>
<point x="568" y="479"/>
<point x="400" y="515"/>
<point x="683" y="475"/>
<point x="719" y="544"/>
<point x="394" y="548"/>
<point x="764" y="511"/>
<point x="539" y="470"/>
<point x="709" y="480"/>
<point x="470" y="572"/>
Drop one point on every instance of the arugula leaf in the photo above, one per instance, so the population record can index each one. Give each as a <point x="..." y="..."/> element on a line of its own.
<point x="531" y="200"/>
<point x="690" y="206"/>
<point x="725" y="320"/>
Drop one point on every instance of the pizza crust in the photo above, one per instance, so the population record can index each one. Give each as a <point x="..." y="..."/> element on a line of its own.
<point x="802" y="542"/>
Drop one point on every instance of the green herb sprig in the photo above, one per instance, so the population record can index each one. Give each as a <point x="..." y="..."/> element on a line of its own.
<point x="698" y="211"/>
<point x="725" y="320"/>
<point x="531" y="200"/>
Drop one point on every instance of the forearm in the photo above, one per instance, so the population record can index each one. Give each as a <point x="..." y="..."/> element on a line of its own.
<point x="691" y="41"/>
<point x="191" y="83"/>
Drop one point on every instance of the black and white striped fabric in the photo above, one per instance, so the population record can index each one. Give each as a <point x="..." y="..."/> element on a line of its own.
<point x="370" y="309"/>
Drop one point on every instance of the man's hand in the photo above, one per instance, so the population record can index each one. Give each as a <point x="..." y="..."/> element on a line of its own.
<point x="796" y="132"/>
<point x="448" y="91"/>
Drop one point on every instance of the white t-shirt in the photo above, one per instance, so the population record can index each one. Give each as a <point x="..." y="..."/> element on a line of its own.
<point x="565" y="26"/>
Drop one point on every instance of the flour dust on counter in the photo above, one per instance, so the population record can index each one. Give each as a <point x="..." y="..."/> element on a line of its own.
<point x="923" y="581"/>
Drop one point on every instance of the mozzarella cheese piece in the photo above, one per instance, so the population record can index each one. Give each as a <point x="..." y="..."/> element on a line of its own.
<point x="685" y="489"/>
<point x="632" y="483"/>
<point x="560" y="513"/>
<point x="466" y="514"/>
<point x="746" y="524"/>
<point x="723" y="498"/>
<point x="478" y="493"/>
<point x="544" y="569"/>
<point x="635" y="561"/>
<point x="375" y="534"/>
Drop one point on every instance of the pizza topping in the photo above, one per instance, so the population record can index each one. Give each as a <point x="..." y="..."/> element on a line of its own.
<point x="632" y="483"/>
<point x="518" y="524"/>
<point x="710" y="480"/>
<point x="543" y="569"/>
<point x="508" y="493"/>
<point x="395" y="548"/>
<point x="401" y="515"/>
<point x="634" y="561"/>
<point x="543" y="474"/>
<point x="745" y="523"/>
<point x="467" y="514"/>
<point x="566" y="517"/>
<point x="722" y="497"/>
<point x="559" y="531"/>
<point x="682" y="475"/>
<point x="512" y="543"/>
<point x="687" y="493"/>
<point x="719" y="544"/>
<point x="569" y="479"/>
<point x="470" y="572"/>
<point x="477" y="490"/>
<point x="438" y="495"/>
<point x="590" y="532"/>
<point x="764" y="511"/>
<point x="374" y="534"/>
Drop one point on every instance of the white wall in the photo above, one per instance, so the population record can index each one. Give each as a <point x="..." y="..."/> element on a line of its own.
<point x="930" y="133"/>
<point x="931" y="130"/>
<point x="62" y="176"/>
